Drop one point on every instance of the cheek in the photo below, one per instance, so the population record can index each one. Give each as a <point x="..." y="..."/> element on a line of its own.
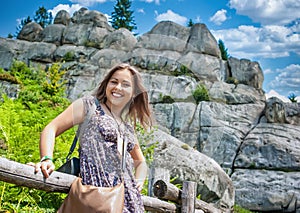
<point x="128" y="92"/>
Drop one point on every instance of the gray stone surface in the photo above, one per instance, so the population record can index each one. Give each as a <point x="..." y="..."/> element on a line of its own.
<point x="238" y="139"/>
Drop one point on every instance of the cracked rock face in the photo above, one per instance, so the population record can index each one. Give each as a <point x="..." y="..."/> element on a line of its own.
<point x="239" y="147"/>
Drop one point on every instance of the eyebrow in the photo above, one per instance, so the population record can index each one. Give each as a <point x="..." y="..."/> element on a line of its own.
<point x="113" y="78"/>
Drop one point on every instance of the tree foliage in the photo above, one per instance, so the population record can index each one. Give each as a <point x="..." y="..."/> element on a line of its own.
<point x="200" y="93"/>
<point x="24" y="21"/>
<point x="293" y="98"/>
<point x="43" y="17"/>
<point x="223" y="49"/>
<point x="22" y="120"/>
<point x="190" y="23"/>
<point x="122" y="16"/>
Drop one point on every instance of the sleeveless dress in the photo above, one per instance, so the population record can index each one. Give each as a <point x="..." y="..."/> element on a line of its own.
<point x="100" y="161"/>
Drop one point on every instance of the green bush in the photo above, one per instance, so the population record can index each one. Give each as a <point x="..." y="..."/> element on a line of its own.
<point x="21" y="122"/>
<point x="200" y="94"/>
<point x="69" y="56"/>
<point x="167" y="99"/>
<point x="232" y="80"/>
<point x="183" y="71"/>
<point x="88" y="43"/>
<point x="10" y="78"/>
<point x="238" y="209"/>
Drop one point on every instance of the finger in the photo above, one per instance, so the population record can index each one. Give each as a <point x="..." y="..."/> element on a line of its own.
<point x="140" y="186"/>
<point x="30" y="164"/>
<point x="44" y="169"/>
<point x="37" y="167"/>
<point x="51" y="169"/>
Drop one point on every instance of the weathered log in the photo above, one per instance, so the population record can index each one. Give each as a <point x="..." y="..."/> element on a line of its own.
<point x="155" y="174"/>
<point x="23" y="175"/>
<point x="167" y="191"/>
<point x="188" y="197"/>
<point x="155" y="205"/>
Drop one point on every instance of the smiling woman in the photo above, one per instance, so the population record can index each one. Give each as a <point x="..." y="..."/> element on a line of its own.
<point x="107" y="122"/>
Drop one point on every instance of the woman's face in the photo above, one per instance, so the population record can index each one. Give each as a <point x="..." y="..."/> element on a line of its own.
<point x="119" y="89"/>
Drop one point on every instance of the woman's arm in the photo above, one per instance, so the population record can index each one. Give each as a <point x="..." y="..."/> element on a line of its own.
<point x="73" y="115"/>
<point x="140" y="165"/>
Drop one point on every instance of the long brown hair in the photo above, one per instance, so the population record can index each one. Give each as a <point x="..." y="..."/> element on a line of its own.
<point x="138" y="108"/>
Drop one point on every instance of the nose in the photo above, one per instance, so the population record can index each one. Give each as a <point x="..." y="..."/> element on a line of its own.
<point x="119" y="86"/>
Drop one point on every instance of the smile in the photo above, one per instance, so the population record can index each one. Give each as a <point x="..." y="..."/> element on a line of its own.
<point x="117" y="95"/>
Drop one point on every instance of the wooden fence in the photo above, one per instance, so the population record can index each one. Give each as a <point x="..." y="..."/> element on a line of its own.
<point x="168" y="197"/>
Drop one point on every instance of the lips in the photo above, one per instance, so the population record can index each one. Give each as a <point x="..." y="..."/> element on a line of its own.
<point x="117" y="95"/>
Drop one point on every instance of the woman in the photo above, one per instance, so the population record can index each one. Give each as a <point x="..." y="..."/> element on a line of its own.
<point x="123" y="101"/>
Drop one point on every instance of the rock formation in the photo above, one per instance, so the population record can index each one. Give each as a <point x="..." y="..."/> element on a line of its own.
<point x="239" y="147"/>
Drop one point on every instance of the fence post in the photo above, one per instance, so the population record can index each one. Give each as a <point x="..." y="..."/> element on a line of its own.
<point x="156" y="174"/>
<point x="188" y="197"/>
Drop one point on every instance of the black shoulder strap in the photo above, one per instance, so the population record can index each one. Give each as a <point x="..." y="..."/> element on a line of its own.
<point x="72" y="148"/>
<point x="125" y="143"/>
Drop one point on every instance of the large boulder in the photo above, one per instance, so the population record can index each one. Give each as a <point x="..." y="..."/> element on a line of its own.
<point x="203" y="41"/>
<point x="121" y="39"/>
<point x="30" y="32"/>
<point x="279" y="112"/>
<point x="266" y="190"/>
<point x="246" y="72"/>
<point x="53" y="34"/>
<point x="186" y="163"/>
<point x="62" y="17"/>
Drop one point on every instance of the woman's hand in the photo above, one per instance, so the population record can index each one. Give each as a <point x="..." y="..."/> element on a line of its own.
<point x="46" y="167"/>
<point x="140" y="184"/>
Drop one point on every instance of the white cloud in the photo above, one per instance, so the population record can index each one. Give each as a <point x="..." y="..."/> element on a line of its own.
<point x="150" y="1"/>
<point x="70" y="9"/>
<point x="219" y="17"/>
<point x="198" y="19"/>
<point x="253" y="42"/>
<point x="141" y="10"/>
<point x="87" y="3"/>
<point x="287" y="81"/>
<point x="171" y="16"/>
<point x="268" y="11"/>
<point x="273" y="93"/>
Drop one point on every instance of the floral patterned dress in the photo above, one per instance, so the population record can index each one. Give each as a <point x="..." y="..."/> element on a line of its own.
<point x="100" y="161"/>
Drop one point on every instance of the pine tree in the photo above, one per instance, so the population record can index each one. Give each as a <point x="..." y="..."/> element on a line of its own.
<point x="42" y="17"/>
<point x="24" y="21"/>
<point x="293" y="98"/>
<point x="223" y="49"/>
<point x="190" y="23"/>
<point x="123" y="16"/>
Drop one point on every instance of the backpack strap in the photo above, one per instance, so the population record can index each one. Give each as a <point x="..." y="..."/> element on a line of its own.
<point x="72" y="148"/>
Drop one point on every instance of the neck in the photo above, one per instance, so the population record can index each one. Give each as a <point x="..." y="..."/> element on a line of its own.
<point x="115" y="113"/>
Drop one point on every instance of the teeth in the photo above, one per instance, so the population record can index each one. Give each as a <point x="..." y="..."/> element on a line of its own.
<point x="116" y="94"/>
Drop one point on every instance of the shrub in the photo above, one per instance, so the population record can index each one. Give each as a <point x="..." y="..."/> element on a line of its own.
<point x="21" y="122"/>
<point x="167" y="99"/>
<point x="91" y="44"/>
<point x="292" y="98"/>
<point x="232" y="80"/>
<point x="69" y="56"/>
<point x="10" y="78"/>
<point x="54" y="83"/>
<point x="200" y="94"/>
<point x="183" y="71"/>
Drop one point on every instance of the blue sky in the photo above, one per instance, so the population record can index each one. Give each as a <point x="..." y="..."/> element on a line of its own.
<point x="266" y="31"/>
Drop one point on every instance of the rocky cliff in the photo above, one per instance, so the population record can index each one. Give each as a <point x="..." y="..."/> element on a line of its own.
<point x="239" y="147"/>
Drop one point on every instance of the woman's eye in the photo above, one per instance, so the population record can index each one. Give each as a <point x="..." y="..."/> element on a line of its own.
<point x="126" y="85"/>
<point x="113" y="82"/>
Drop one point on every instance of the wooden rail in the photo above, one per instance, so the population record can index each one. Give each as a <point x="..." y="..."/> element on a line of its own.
<point x="23" y="175"/>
